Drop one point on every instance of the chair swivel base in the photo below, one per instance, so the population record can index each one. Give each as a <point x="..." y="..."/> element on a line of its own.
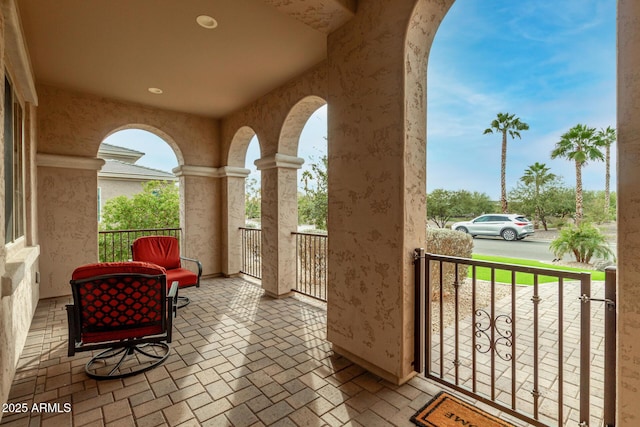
<point x="126" y="361"/>
<point x="182" y="302"/>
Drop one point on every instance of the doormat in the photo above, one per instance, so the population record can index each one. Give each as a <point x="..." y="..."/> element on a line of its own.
<point x="445" y="410"/>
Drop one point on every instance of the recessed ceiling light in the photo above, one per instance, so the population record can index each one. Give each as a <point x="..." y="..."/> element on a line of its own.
<point x="206" y="21"/>
<point x="155" y="90"/>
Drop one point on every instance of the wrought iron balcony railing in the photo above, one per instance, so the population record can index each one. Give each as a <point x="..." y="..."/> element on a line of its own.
<point x="115" y="245"/>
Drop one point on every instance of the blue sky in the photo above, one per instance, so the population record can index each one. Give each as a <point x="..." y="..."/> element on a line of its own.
<point x="158" y="154"/>
<point x="551" y="62"/>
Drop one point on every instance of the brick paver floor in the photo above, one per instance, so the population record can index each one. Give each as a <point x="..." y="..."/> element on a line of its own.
<point x="238" y="358"/>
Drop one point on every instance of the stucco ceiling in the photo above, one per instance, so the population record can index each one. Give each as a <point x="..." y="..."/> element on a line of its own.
<point x="120" y="48"/>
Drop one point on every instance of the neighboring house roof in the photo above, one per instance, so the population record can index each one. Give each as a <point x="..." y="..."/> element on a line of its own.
<point x="123" y="170"/>
<point x="108" y="151"/>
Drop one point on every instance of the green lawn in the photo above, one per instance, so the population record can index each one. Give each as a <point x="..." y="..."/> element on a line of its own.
<point x="503" y="276"/>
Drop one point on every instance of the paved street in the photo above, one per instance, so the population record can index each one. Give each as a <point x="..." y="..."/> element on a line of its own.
<point x="526" y="249"/>
<point x="534" y="247"/>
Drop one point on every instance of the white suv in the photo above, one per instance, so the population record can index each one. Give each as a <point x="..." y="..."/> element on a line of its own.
<point x="509" y="226"/>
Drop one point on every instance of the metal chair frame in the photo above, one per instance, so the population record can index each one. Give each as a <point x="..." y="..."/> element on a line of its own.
<point x="108" y="363"/>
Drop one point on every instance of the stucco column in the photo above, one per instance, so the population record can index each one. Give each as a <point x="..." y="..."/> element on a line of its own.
<point x="67" y="218"/>
<point x="377" y="179"/>
<point x="279" y="219"/>
<point x="200" y="215"/>
<point x="233" y="213"/>
<point x="628" y="128"/>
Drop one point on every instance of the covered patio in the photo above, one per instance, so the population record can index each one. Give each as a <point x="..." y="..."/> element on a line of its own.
<point x="77" y="71"/>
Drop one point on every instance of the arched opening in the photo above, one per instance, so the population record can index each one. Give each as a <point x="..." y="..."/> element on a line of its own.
<point x="137" y="191"/>
<point x="244" y="150"/>
<point x="243" y="206"/>
<point x="313" y="175"/>
<point x="253" y="187"/>
<point x="304" y="136"/>
<point x="552" y="65"/>
<point x="311" y="238"/>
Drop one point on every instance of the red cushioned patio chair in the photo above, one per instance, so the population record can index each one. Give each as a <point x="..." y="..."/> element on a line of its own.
<point x="165" y="252"/>
<point x="125" y="309"/>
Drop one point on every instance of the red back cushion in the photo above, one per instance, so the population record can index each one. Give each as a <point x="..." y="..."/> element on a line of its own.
<point x="161" y="250"/>
<point x="103" y="268"/>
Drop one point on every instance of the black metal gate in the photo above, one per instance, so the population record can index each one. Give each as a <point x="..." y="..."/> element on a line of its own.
<point x="537" y="353"/>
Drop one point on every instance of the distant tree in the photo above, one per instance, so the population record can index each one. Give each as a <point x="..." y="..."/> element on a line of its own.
<point x="505" y="124"/>
<point x="580" y="144"/>
<point x="442" y="205"/>
<point x="595" y="209"/>
<point x="561" y="200"/>
<point x="252" y="199"/>
<point x="313" y="203"/>
<point x="542" y="202"/>
<point x="607" y="137"/>
<point x="480" y="203"/>
<point x="157" y="206"/>
<point x="537" y="177"/>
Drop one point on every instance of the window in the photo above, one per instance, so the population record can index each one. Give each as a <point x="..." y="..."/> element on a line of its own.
<point x="14" y="209"/>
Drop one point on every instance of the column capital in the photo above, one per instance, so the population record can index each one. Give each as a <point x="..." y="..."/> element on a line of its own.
<point x="187" y="170"/>
<point x="69" y="162"/>
<point x="209" y="172"/>
<point x="279" y="161"/>
<point x="233" y="171"/>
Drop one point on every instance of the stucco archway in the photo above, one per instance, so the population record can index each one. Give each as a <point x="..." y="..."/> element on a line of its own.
<point x="280" y="200"/>
<point x="233" y="198"/>
<point x="295" y="122"/>
<point x="377" y="157"/>
<point x="157" y="132"/>
<point x="239" y="145"/>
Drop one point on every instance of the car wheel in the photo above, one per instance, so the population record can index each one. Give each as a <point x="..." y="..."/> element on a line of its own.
<point x="509" y="234"/>
<point x="462" y="229"/>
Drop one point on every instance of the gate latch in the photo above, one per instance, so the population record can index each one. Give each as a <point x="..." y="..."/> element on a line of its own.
<point x="611" y="305"/>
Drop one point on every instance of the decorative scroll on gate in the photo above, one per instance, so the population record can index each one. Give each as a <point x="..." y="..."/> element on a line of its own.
<point x="497" y="337"/>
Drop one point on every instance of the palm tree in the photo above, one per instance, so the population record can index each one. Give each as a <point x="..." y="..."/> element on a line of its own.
<point x="537" y="174"/>
<point x="580" y="144"/>
<point x="505" y="124"/>
<point x="608" y="137"/>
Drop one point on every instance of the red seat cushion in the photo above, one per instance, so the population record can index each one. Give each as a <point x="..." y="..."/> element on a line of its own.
<point x="161" y="250"/>
<point x="97" y="337"/>
<point x="183" y="276"/>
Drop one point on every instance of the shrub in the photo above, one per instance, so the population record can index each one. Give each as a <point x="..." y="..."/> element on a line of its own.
<point x="441" y="241"/>
<point x="584" y="241"/>
<point x="560" y="223"/>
